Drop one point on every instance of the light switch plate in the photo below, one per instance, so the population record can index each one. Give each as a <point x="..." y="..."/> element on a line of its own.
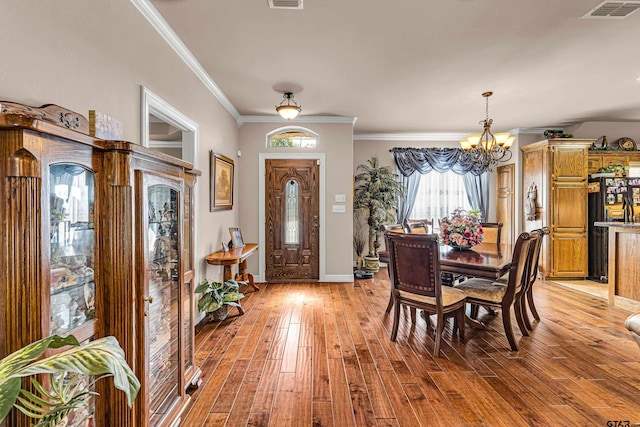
<point x="338" y="209"/>
<point x="341" y="198"/>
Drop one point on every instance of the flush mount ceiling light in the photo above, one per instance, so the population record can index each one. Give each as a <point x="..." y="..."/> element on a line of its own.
<point x="289" y="110"/>
<point x="488" y="149"/>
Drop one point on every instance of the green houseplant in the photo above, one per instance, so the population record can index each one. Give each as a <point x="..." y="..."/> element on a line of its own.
<point x="217" y="297"/>
<point x="376" y="192"/>
<point x="68" y="372"/>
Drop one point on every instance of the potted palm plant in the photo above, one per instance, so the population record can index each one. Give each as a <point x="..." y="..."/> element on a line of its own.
<point x="69" y="372"/>
<point x="217" y="297"/>
<point x="376" y="192"/>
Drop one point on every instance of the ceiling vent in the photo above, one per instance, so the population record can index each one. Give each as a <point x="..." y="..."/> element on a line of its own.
<point x="613" y="10"/>
<point x="285" y="4"/>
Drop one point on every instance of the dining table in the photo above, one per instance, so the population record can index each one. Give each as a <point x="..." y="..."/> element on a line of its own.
<point x="485" y="260"/>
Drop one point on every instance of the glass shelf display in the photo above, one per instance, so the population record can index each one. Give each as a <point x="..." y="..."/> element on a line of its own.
<point x="163" y="296"/>
<point x="72" y="243"/>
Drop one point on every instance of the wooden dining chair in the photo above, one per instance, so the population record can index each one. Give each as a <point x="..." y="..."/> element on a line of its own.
<point x="504" y="296"/>
<point x="414" y="271"/>
<point x="407" y="227"/>
<point x="492" y="232"/>
<point x="419" y="225"/>
<point x="533" y="276"/>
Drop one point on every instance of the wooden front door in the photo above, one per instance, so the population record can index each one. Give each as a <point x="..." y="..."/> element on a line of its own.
<point x="505" y="207"/>
<point x="292" y="219"/>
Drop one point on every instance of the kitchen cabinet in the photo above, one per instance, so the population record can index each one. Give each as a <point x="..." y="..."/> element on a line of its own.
<point x="559" y="167"/>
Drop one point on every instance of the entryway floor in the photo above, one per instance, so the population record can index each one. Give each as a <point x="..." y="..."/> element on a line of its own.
<point x="599" y="290"/>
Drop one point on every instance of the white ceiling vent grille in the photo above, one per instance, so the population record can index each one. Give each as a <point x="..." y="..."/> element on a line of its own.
<point x="285" y="4"/>
<point x="613" y="10"/>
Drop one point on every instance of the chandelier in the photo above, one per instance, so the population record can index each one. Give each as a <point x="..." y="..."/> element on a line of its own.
<point x="288" y="111"/>
<point x="488" y="149"/>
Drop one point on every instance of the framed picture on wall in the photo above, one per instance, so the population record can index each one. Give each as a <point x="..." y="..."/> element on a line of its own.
<point x="221" y="173"/>
<point x="236" y="237"/>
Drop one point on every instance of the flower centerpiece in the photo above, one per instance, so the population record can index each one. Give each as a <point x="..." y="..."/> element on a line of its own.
<point x="461" y="229"/>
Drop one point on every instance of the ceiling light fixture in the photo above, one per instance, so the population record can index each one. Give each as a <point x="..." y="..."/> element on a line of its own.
<point x="488" y="149"/>
<point x="288" y="111"/>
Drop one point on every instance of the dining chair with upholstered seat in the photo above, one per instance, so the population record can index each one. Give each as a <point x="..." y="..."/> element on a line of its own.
<point x="533" y="276"/>
<point x="503" y="296"/>
<point x="417" y="227"/>
<point x="414" y="271"/>
<point x="492" y="232"/>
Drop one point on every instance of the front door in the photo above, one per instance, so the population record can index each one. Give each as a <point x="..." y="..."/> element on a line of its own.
<point x="292" y="219"/>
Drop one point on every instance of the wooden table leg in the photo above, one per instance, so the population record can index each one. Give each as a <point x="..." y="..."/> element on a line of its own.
<point x="244" y="276"/>
<point x="227" y="274"/>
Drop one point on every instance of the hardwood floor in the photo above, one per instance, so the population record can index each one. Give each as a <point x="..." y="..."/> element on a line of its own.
<point x="319" y="354"/>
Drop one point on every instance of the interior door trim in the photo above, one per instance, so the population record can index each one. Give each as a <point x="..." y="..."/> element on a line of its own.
<point x="261" y="214"/>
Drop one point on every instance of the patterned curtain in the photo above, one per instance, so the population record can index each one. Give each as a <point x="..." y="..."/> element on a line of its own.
<point x="424" y="160"/>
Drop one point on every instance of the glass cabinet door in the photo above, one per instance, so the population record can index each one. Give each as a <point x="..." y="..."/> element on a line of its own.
<point x="72" y="243"/>
<point x="187" y="309"/>
<point x="163" y="298"/>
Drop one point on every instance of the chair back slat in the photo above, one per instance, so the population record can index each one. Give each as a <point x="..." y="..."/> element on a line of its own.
<point x="518" y="272"/>
<point x="419" y="225"/>
<point x="414" y="263"/>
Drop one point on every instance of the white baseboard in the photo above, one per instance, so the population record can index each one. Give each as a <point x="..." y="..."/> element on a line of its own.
<point x="338" y="278"/>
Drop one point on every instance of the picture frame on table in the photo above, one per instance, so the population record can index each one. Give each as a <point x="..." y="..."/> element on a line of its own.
<point x="221" y="185"/>
<point x="236" y="237"/>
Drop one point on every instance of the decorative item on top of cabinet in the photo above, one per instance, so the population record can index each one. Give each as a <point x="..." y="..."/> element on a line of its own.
<point x="600" y="143"/>
<point x="627" y="143"/>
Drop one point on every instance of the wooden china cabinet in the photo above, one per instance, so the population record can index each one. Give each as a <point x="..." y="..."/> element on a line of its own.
<point x="97" y="240"/>
<point x="558" y="167"/>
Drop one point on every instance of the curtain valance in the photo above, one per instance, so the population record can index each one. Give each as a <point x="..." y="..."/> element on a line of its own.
<point x="424" y="160"/>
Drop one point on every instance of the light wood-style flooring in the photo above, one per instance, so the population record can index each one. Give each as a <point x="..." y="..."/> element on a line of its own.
<point x="319" y="354"/>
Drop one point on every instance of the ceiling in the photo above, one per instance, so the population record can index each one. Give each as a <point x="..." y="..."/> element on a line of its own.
<point x="419" y="66"/>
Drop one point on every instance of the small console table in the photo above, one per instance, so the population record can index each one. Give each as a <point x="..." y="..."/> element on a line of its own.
<point x="235" y="256"/>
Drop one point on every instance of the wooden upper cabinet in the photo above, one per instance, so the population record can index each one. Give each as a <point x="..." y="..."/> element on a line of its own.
<point x="569" y="207"/>
<point x="569" y="163"/>
<point x="600" y="159"/>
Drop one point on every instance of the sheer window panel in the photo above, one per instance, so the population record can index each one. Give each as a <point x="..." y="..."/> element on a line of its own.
<point x="438" y="195"/>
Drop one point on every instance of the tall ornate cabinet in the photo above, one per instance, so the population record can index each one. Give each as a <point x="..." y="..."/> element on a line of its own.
<point x="558" y="167"/>
<point x="96" y="240"/>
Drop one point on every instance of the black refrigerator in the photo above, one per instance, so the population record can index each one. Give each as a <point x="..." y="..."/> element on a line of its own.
<point x="606" y="195"/>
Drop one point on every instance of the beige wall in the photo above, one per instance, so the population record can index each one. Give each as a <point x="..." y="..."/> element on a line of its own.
<point x="612" y="130"/>
<point x="86" y="55"/>
<point x="336" y="142"/>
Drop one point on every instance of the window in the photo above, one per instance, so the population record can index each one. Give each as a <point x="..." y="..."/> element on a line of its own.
<point x="291" y="235"/>
<point x="292" y="137"/>
<point x="438" y="195"/>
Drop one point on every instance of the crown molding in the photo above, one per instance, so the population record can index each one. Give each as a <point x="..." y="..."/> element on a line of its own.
<point x="430" y="137"/>
<point x="156" y="20"/>
<point x="518" y="131"/>
<point x="300" y="119"/>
